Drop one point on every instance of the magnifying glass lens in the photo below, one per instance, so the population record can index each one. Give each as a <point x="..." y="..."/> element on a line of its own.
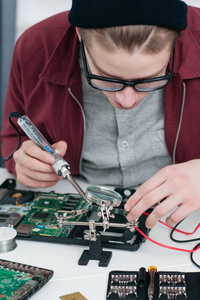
<point x="101" y="195"/>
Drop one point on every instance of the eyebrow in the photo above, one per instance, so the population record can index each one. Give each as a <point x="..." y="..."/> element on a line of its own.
<point x="111" y="76"/>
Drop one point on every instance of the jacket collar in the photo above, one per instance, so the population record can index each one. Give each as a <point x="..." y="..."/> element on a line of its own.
<point x="187" y="58"/>
<point x="63" y="65"/>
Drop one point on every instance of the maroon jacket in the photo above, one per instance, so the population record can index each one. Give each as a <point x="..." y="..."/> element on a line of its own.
<point x="45" y="71"/>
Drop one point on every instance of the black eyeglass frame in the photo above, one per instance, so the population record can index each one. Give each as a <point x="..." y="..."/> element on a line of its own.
<point x="90" y="76"/>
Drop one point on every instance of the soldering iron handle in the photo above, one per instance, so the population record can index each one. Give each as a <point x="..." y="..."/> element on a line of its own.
<point x="59" y="165"/>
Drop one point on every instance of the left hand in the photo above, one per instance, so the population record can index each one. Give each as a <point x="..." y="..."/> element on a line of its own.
<point x="178" y="184"/>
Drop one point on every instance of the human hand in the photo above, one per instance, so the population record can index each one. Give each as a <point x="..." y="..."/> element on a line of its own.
<point x="34" y="166"/>
<point x="178" y="184"/>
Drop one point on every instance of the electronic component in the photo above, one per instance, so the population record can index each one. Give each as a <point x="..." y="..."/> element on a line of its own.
<point x="20" y="281"/>
<point x="73" y="296"/>
<point x="38" y="219"/>
<point x="24" y="229"/>
<point x="10" y="219"/>
<point x="40" y="215"/>
<point x="13" y="197"/>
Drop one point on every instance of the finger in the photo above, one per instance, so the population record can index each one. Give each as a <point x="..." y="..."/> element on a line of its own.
<point x="148" y="201"/>
<point x="34" y="151"/>
<point x="154" y="182"/>
<point x="34" y="164"/>
<point x="61" y="147"/>
<point x="22" y="171"/>
<point x="161" y="210"/>
<point x="37" y="175"/>
<point x="30" y="156"/>
<point x="34" y="183"/>
<point x="179" y="214"/>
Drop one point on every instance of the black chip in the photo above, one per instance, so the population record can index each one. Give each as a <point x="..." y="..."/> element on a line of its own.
<point x="40" y="215"/>
<point x="24" y="229"/>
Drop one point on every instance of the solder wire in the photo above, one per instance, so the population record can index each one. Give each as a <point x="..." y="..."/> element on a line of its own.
<point x="7" y="245"/>
<point x="7" y="239"/>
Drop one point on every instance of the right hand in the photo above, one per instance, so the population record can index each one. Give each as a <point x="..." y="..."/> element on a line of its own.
<point x="34" y="166"/>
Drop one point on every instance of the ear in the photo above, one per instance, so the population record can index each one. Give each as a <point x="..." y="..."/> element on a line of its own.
<point x="78" y="33"/>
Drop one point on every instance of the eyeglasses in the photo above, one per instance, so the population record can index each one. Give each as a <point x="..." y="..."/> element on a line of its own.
<point x="114" y="85"/>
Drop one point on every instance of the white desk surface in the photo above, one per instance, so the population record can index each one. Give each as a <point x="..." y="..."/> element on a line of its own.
<point x="91" y="280"/>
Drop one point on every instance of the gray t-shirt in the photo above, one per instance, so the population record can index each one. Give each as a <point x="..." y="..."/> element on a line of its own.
<point x="122" y="147"/>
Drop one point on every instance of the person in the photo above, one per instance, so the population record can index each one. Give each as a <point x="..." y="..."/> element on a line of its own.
<point x="136" y="124"/>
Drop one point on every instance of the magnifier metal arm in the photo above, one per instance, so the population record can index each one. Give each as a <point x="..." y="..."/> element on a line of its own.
<point x="105" y="212"/>
<point x="130" y="225"/>
<point x="62" y="216"/>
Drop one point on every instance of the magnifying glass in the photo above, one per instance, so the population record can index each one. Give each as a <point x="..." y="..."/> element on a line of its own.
<point x="103" y="196"/>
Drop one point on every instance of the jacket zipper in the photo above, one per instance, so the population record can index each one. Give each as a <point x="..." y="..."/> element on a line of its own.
<point x="84" y="125"/>
<point x="179" y="125"/>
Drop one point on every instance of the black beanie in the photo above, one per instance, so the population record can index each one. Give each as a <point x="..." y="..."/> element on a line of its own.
<point x="107" y="13"/>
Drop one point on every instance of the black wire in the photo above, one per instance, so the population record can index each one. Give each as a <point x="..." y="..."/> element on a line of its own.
<point x="192" y="258"/>
<point x="181" y="241"/>
<point x="186" y="241"/>
<point x="14" y="115"/>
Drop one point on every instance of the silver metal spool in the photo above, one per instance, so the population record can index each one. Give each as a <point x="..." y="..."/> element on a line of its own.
<point x="7" y="239"/>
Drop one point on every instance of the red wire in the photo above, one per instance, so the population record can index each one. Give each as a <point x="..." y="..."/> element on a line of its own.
<point x="165" y="246"/>
<point x="178" y="230"/>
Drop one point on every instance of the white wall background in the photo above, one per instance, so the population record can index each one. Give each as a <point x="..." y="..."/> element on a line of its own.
<point x="30" y="12"/>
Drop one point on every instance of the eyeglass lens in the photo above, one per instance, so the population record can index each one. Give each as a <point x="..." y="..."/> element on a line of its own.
<point x="115" y="86"/>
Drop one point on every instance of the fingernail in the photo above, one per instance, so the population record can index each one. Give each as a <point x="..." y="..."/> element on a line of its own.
<point x="127" y="207"/>
<point x="62" y="150"/>
<point x="147" y="226"/>
<point x="130" y="217"/>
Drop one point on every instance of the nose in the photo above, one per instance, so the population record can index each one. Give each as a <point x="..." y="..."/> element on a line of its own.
<point x="127" y="97"/>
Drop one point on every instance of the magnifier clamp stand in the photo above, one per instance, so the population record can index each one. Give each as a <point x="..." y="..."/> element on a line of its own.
<point x="95" y="251"/>
<point x="106" y="200"/>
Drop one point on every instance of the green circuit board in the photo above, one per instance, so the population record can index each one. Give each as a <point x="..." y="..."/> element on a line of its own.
<point x="19" y="281"/>
<point x="37" y="217"/>
<point x="12" y="280"/>
<point x="43" y="216"/>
